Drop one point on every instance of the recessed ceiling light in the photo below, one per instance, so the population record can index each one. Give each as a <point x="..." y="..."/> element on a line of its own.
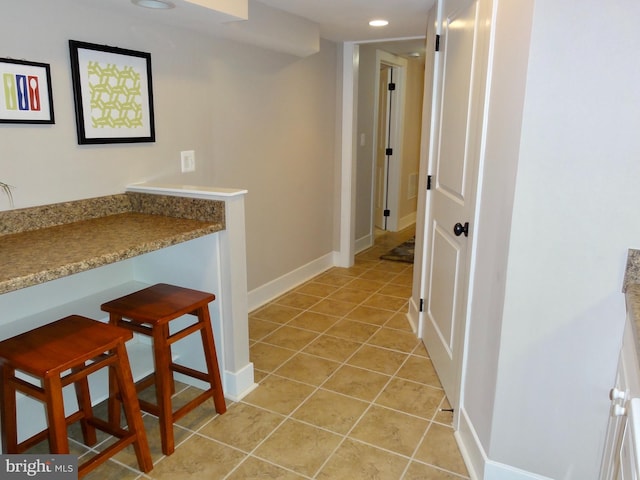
<point x="157" y="4"/>
<point x="378" y="23"/>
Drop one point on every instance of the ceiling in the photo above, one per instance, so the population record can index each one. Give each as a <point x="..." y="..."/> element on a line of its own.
<point x="348" y="20"/>
<point x="338" y="20"/>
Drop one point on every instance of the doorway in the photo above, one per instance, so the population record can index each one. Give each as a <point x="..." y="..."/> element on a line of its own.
<point x="388" y="134"/>
<point x="386" y="137"/>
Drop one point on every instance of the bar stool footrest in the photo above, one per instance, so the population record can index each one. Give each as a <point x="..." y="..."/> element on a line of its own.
<point x="106" y="454"/>
<point x="189" y="372"/>
<point x="106" y="427"/>
<point x="192" y="404"/>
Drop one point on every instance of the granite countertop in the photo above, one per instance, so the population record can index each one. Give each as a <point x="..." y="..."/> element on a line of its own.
<point x="40" y="244"/>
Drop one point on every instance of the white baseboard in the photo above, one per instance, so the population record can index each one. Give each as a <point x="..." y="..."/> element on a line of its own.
<point x="480" y="467"/>
<point x="364" y="243"/>
<point x="470" y="446"/>
<point x="407" y="221"/>
<point x="403" y="223"/>
<point x="239" y="384"/>
<point x="267" y="292"/>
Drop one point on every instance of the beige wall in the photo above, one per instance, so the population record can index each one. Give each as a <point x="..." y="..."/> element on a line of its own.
<point x="257" y="119"/>
<point x="365" y="154"/>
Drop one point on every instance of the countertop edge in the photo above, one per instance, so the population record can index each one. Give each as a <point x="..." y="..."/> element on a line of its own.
<point x="194" y="191"/>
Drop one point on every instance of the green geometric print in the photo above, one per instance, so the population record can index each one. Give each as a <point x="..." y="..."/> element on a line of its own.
<point x="116" y="98"/>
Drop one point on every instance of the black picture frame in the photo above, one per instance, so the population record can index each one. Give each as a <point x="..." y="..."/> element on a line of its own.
<point x="25" y="92"/>
<point x="113" y="94"/>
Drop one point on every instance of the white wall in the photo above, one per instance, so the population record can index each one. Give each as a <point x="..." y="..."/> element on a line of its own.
<point x="549" y="343"/>
<point x="576" y="192"/>
<point x="256" y="119"/>
<point x="496" y="185"/>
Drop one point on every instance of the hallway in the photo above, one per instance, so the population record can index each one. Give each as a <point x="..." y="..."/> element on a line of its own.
<point x="351" y="387"/>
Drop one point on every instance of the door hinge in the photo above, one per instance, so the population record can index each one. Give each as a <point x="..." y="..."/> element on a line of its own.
<point x="388" y="151"/>
<point x="421" y="305"/>
<point x="387" y="213"/>
<point x="437" y="43"/>
<point x="428" y="182"/>
<point x="392" y="86"/>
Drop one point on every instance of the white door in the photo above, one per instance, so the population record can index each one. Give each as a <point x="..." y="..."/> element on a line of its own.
<point x="453" y="151"/>
<point x="389" y="128"/>
<point x="381" y="199"/>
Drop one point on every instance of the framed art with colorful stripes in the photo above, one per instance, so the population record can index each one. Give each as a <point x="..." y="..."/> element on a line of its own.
<point x="25" y="94"/>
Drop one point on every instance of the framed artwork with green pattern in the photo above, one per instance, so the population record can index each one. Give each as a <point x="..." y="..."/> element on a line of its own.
<point x="113" y="94"/>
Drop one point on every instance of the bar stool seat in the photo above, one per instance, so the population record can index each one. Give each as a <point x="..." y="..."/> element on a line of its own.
<point x="61" y="353"/>
<point x="149" y="311"/>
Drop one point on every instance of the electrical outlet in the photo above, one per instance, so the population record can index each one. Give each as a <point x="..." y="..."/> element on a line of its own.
<point x="188" y="161"/>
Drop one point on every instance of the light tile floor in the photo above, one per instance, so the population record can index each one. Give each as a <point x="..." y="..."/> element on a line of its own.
<point x="346" y="391"/>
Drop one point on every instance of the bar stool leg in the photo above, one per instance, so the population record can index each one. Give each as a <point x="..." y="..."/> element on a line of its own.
<point x="171" y="380"/>
<point x="211" y="359"/>
<point x="124" y="378"/>
<point x="113" y="404"/>
<point x="9" y="413"/>
<point x="84" y="404"/>
<point x="162" y="359"/>
<point x="58" y="441"/>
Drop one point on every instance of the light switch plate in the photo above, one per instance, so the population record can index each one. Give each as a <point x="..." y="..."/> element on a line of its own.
<point x="188" y="161"/>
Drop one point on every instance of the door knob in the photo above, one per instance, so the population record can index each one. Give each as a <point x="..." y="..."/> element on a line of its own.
<point x="459" y="229"/>
<point x="617" y="394"/>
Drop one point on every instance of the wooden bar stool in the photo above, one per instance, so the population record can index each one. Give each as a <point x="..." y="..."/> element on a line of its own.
<point x="59" y="354"/>
<point x="149" y="312"/>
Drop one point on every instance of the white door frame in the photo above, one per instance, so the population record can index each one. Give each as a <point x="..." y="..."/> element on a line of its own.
<point x="345" y="255"/>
